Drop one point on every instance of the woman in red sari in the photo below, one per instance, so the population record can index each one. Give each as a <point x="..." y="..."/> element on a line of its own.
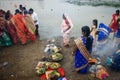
<point x="113" y="23"/>
<point x="11" y="27"/>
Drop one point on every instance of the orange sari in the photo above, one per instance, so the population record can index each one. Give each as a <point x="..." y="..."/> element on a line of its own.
<point x="19" y="23"/>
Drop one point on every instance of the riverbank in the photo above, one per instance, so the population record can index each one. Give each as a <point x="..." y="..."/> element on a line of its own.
<point x="22" y="60"/>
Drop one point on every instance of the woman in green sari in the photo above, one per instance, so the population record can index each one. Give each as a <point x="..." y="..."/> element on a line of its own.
<point x="4" y="37"/>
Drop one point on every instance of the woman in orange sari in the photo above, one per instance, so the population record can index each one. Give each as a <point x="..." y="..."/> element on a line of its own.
<point x="19" y="22"/>
<point x="23" y="31"/>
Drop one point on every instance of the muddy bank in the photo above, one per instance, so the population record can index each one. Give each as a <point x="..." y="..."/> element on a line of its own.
<point x="22" y="60"/>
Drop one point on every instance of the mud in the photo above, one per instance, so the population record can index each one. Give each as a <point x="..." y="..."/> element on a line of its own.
<point x="22" y="60"/>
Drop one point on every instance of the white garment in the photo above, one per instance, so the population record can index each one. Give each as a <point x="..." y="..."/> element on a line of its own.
<point x="35" y="18"/>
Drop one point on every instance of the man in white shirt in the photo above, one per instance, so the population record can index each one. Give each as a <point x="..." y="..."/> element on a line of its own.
<point x="35" y="19"/>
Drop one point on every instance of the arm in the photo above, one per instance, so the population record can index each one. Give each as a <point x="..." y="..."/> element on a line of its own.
<point x="36" y="18"/>
<point x="74" y="50"/>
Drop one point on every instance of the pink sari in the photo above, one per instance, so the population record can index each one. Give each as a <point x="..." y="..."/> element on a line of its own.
<point x="66" y="31"/>
<point x="66" y="27"/>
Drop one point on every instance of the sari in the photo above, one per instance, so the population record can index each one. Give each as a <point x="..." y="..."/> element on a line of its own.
<point x="116" y="61"/>
<point x="20" y="26"/>
<point x="12" y="31"/>
<point x="66" y="27"/>
<point x="117" y="36"/>
<point x="30" y="27"/>
<point x="80" y="59"/>
<point x="4" y="37"/>
<point x="103" y="33"/>
<point x="113" y="24"/>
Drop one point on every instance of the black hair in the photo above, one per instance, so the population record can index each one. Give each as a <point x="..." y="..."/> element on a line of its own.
<point x="24" y="8"/>
<point x="95" y="21"/>
<point x="64" y="16"/>
<point x="31" y="9"/>
<point x="20" y="6"/>
<point x="117" y="12"/>
<point x="89" y="41"/>
<point x="7" y="15"/>
<point x="25" y="12"/>
<point x="17" y="11"/>
<point x="21" y="13"/>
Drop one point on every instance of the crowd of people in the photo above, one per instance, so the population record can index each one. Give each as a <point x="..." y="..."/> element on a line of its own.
<point x="23" y="26"/>
<point x="20" y="27"/>
<point x="94" y="36"/>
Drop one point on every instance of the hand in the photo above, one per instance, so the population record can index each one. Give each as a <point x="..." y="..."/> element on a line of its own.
<point x="73" y="54"/>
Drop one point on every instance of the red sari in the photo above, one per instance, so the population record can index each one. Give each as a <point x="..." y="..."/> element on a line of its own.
<point x="22" y="29"/>
<point x="12" y="31"/>
<point x="113" y="25"/>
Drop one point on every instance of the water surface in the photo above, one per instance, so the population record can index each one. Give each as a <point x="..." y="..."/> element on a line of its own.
<point x="50" y="15"/>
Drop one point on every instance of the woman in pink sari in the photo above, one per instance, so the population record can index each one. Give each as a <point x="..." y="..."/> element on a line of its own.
<point x="66" y="29"/>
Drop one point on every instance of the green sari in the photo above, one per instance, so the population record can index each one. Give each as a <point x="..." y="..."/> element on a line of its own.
<point x="5" y="40"/>
<point x="4" y="37"/>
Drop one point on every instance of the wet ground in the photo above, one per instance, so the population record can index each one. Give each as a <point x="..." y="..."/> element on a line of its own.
<point x="22" y="60"/>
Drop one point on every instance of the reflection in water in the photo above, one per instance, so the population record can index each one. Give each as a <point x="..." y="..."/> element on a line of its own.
<point x="50" y="15"/>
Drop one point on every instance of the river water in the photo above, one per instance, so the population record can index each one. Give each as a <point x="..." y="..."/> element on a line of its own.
<point x="50" y="15"/>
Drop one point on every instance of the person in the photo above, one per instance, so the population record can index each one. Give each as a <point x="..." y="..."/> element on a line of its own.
<point x="114" y="60"/>
<point x="113" y="22"/>
<point x="20" y="7"/>
<point x="20" y="25"/>
<point x="93" y="29"/>
<point x="35" y="19"/>
<point x="4" y="37"/>
<point x="102" y="33"/>
<point x="30" y="26"/>
<point x="117" y="33"/>
<point x="66" y="27"/>
<point x="82" y="50"/>
<point x="11" y="27"/>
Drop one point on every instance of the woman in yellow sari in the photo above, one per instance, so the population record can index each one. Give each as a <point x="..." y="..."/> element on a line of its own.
<point x="30" y="25"/>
